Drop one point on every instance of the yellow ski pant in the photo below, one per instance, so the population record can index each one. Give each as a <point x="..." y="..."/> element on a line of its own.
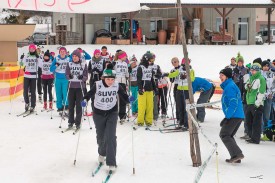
<point x="145" y="108"/>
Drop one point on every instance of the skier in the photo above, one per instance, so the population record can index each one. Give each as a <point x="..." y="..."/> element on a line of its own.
<point x="77" y="73"/>
<point x="156" y="75"/>
<point x="39" y="73"/>
<point x="122" y="75"/>
<point x="233" y="110"/>
<point x="205" y="88"/>
<point x="105" y="55"/>
<point x="146" y="89"/>
<point x="84" y="56"/>
<point x="47" y="79"/>
<point x="61" y="83"/>
<point x="256" y="88"/>
<point x="105" y="115"/>
<point x="233" y="64"/>
<point x="162" y="96"/>
<point x="30" y="76"/>
<point x="133" y="84"/>
<point x="96" y="67"/>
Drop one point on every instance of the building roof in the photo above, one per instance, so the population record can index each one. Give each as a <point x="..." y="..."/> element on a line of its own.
<point x="213" y="3"/>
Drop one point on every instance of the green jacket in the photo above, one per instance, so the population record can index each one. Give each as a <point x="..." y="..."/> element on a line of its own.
<point x="256" y="90"/>
<point x="182" y="83"/>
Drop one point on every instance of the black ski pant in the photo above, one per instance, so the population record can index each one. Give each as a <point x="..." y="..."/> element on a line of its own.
<point x="30" y="84"/>
<point x="105" y="125"/>
<point x="162" y="101"/>
<point x="212" y="92"/>
<point x="93" y="79"/>
<point x="181" y="107"/>
<point x="254" y="117"/>
<point x="39" y="82"/>
<point x="75" y="97"/>
<point x="203" y="98"/>
<point x="47" y="89"/>
<point x="228" y="130"/>
<point x="122" y="105"/>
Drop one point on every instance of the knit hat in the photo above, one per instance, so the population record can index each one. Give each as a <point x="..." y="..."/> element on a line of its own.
<point x="109" y="72"/>
<point x="47" y="53"/>
<point x="133" y="59"/>
<point x="153" y="55"/>
<point x="121" y="55"/>
<point x="62" y="48"/>
<point x="96" y="52"/>
<point x="183" y="61"/>
<point x="227" y="72"/>
<point x="258" y="60"/>
<point x="256" y="67"/>
<point x="32" y="46"/>
<point x="241" y="60"/>
<point x="77" y="53"/>
<point x="265" y="63"/>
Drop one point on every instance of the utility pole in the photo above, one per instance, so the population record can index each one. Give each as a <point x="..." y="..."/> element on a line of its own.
<point x="193" y="131"/>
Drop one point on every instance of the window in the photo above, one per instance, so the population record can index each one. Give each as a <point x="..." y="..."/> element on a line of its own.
<point x="218" y="23"/>
<point x="71" y="24"/>
<point x="156" y="24"/>
<point x="110" y="24"/>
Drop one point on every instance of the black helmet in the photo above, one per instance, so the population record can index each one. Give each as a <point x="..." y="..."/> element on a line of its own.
<point x="147" y="57"/>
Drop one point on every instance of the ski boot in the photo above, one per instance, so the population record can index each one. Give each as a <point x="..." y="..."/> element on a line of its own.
<point x="50" y="105"/>
<point x="27" y="107"/>
<point x="31" y="109"/>
<point x="40" y="98"/>
<point x="101" y="159"/>
<point x="45" y="106"/>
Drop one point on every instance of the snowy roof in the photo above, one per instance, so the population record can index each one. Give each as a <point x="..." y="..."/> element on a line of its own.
<point x="210" y="2"/>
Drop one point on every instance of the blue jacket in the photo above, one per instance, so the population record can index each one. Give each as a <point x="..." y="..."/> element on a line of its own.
<point x="59" y="74"/>
<point x="231" y="100"/>
<point x="200" y="84"/>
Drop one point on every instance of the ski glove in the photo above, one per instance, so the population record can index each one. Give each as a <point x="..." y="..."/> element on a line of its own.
<point x="183" y="76"/>
<point x="131" y="99"/>
<point x="71" y="76"/>
<point x="80" y="77"/>
<point x="84" y="103"/>
<point x="57" y="64"/>
<point x="22" y="56"/>
<point x="165" y="74"/>
<point x="222" y="122"/>
<point x="140" y="91"/>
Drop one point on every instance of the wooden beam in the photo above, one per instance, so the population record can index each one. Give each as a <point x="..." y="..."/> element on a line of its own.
<point x="223" y="25"/>
<point x="229" y="12"/>
<point x="268" y="24"/>
<point x="218" y="11"/>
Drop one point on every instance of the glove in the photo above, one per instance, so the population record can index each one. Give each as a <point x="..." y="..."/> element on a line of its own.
<point x="131" y="99"/>
<point x="183" y="76"/>
<point x="21" y="63"/>
<point x="84" y="103"/>
<point x="71" y="76"/>
<point x="80" y="77"/>
<point x="222" y="122"/>
<point x="22" y="56"/>
<point x="57" y="64"/>
<point x="156" y="91"/>
<point x="165" y="74"/>
<point x="140" y="91"/>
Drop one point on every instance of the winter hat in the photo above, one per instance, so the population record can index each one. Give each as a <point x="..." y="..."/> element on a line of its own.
<point x="258" y="60"/>
<point x="80" y="50"/>
<point x="256" y="67"/>
<point x="133" y="59"/>
<point x="62" y="48"/>
<point x="265" y="63"/>
<point x="96" y="52"/>
<point x="109" y="72"/>
<point x="32" y="46"/>
<point x="77" y="53"/>
<point x="52" y="53"/>
<point x="47" y="53"/>
<point x="153" y="55"/>
<point x="183" y="61"/>
<point x="241" y="60"/>
<point x="227" y="72"/>
<point x="121" y="55"/>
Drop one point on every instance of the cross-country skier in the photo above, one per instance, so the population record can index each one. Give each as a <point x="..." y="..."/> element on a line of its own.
<point x="77" y="73"/>
<point x="122" y="76"/>
<point x="105" y="114"/>
<point x="47" y="79"/>
<point x="133" y="84"/>
<point x="30" y="76"/>
<point x="61" y="82"/>
<point x="146" y="89"/>
<point x="233" y="110"/>
<point x="39" y="73"/>
<point x="105" y="54"/>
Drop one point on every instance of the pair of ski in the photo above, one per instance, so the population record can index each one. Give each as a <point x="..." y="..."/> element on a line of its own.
<point x="47" y="110"/>
<point x="26" y="113"/>
<point x="69" y="129"/>
<point x="168" y="130"/>
<point x="137" y="127"/>
<point x="98" y="168"/>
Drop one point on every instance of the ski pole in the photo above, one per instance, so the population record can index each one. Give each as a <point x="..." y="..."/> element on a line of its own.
<point x="133" y="152"/>
<point x="86" y="105"/>
<point x="64" y="103"/>
<point x="15" y="87"/>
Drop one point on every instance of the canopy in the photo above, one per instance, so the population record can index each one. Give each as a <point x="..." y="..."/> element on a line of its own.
<point x="74" y="6"/>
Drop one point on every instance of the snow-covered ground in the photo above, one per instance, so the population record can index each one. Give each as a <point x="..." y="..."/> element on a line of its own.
<point x="33" y="149"/>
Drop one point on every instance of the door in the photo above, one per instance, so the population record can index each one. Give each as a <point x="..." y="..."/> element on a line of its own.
<point x="273" y="35"/>
<point x="243" y="31"/>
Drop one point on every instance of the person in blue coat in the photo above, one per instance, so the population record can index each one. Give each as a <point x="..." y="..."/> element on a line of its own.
<point x="205" y="87"/>
<point x="61" y="83"/>
<point x="233" y="110"/>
